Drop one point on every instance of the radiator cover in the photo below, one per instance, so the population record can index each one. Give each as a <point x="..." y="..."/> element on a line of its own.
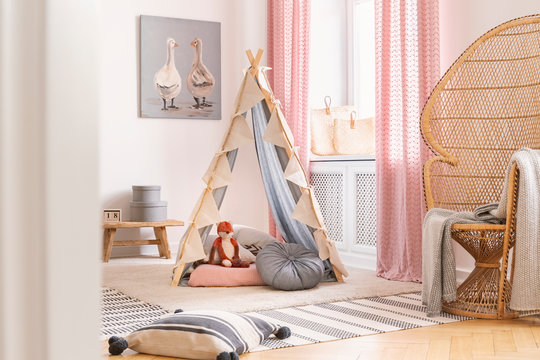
<point x="346" y="191"/>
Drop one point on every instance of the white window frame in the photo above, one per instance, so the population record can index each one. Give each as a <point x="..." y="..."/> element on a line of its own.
<point x="352" y="50"/>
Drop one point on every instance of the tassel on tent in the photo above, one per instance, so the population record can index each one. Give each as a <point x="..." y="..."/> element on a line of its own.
<point x="219" y="172"/>
<point x="328" y="250"/>
<point x="320" y="239"/>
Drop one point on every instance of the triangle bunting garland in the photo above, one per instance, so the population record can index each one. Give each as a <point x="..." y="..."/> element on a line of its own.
<point x="208" y="213"/>
<point x="328" y="250"/>
<point x="219" y="172"/>
<point x="294" y="172"/>
<point x="285" y="125"/>
<point x="251" y="95"/>
<point x="255" y="88"/>
<point x="239" y="134"/>
<point x="193" y="249"/>
<point x="321" y="240"/>
<point x="307" y="211"/>
<point x="274" y="133"/>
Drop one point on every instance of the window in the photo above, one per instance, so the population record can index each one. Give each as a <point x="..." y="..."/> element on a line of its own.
<point x="361" y="20"/>
<point x="342" y="66"/>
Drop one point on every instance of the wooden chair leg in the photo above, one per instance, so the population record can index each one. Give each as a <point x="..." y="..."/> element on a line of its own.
<point x="163" y="243"/>
<point x="108" y="239"/>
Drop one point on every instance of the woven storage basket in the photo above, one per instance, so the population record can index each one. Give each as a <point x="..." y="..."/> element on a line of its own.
<point x="354" y="137"/>
<point x="322" y="128"/>
<point x="335" y="131"/>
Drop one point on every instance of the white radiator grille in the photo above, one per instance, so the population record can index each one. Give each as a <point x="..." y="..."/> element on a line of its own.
<point x="366" y="215"/>
<point x="328" y="188"/>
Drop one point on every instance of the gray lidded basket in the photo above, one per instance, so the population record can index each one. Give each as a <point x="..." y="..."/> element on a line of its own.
<point x="148" y="211"/>
<point x="147" y="204"/>
<point x="146" y="193"/>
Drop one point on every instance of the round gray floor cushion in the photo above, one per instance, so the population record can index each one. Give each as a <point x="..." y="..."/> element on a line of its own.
<point x="289" y="266"/>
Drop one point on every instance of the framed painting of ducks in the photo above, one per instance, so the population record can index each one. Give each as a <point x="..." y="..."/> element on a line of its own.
<point x="180" y="68"/>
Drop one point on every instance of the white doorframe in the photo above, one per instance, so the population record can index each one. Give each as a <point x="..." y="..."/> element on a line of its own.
<point x="49" y="210"/>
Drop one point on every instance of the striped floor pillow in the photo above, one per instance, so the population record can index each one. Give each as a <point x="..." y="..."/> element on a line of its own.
<point x="204" y="334"/>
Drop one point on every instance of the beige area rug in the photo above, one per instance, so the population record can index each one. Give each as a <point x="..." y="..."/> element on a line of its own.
<point x="148" y="279"/>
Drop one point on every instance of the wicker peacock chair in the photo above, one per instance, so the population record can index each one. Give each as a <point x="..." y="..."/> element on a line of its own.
<point x="484" y="108"/>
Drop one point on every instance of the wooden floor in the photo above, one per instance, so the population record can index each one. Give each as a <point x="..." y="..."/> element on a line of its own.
<point x="472" y="339"/>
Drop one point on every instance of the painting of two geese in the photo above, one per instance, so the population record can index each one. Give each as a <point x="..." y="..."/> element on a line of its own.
<point x="180" y="64"/>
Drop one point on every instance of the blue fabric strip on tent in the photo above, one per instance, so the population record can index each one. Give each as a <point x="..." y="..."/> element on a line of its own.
<point x="282" y="194"/>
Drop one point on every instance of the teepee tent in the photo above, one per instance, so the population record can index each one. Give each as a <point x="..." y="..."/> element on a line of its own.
<point x="291" y="199"/>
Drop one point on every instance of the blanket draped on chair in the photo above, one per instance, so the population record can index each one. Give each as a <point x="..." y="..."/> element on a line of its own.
<point x="438" y="262"/>
<point x="438" y="265"/>
<point x="526" y="286"/>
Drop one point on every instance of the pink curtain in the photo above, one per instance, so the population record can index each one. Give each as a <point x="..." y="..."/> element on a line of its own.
<point x="407" y="68"/>
<point x="288" y="56"/>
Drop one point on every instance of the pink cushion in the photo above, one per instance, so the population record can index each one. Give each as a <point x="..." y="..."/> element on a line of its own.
<point x="216" y="275"/>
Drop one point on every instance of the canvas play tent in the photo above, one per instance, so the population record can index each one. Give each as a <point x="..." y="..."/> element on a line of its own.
<point x="291" y="199"/>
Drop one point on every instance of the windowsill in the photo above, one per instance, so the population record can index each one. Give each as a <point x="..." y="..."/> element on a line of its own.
<point x="368" y="157"/>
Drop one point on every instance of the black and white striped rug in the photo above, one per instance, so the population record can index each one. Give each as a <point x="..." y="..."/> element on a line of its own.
<point x="309" y="324"/>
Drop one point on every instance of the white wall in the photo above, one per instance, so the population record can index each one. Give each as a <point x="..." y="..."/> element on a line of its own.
<point x="174" y="153"/>
<point x="461" y="23"/>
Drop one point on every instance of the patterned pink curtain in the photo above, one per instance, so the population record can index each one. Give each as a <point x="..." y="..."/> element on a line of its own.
<point x="407" y="68"/>
<point x="288" y="56"/>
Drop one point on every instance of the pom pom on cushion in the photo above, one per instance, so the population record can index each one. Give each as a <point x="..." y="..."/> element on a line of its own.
<point x="283" y="333"/>
<point x="202" y="334"/>
<point x="289" y="266"/>
<point x="216" y="275"/>
<point x="117" y="345"/>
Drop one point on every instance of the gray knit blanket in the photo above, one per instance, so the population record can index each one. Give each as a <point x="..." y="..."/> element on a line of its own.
<point x="438" y="261"/>
<point x="526" y="285"/>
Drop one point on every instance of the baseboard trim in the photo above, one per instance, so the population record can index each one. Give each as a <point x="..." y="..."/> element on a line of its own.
<point x="129" y="251"/>
<point x="359" y="260"/>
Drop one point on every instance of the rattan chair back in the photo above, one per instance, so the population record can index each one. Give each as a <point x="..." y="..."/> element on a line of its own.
<point x="484" y="108"/>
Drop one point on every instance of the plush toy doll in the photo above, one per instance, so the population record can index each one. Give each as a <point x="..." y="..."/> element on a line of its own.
<point x="226" y="247"/>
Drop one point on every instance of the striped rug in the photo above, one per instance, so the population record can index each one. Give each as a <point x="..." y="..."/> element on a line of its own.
<point x="309" y="324"/>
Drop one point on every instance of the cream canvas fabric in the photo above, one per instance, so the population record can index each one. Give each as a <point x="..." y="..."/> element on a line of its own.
<point x="274" y="132"/>
<point x="193" y="249"/>
<point x="250" y="96"/>
<point x="219" y="175"/>
<point x="294" y="171"/>
<point x="239" y="134"/>
<point x="219" y="172"/>
<point x="208" y="213"/>
<point x="306" y="212"/>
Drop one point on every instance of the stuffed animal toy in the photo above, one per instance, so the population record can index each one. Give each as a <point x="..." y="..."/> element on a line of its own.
<point x="200" y="334"/>
<point x="226" y="247"/>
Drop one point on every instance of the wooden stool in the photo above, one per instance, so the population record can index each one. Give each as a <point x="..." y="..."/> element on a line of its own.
<point x="159" y="229"/>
